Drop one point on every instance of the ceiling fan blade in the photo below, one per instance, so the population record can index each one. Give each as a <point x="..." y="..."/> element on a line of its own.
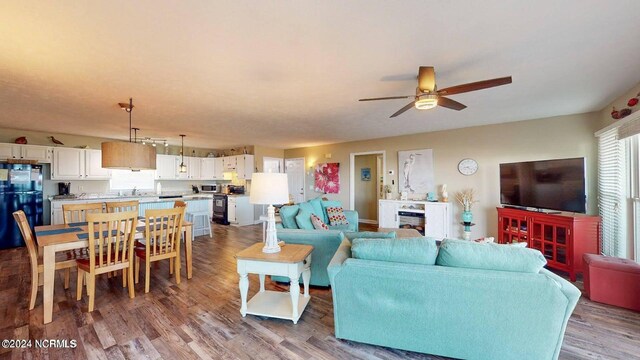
<point x="450" y="104"/>
<point x="387" y="98"/>
<point x="405" y="108"/>
<point x="458" y="89"/>
<point x="426" y="78"/>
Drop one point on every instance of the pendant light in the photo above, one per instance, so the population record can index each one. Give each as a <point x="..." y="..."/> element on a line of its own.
<point x="183" y="167"/>
<point x="128" y="155"/>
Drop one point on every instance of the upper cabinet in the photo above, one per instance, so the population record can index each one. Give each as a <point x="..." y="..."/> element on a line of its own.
<point x="25" y="152"/>
<point x="93" y="169"/>
<point x="78" y="164"/>
<point x="218" y="168"/>
<point x="194" y="165"/>
<point x="208" y="169"/>
<point x="244" y="166"/>
<point x="229" y="163"/>
<point x="166" y="167"/>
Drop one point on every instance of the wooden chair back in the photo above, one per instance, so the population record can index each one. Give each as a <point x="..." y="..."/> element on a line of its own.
<point x="179" y="203"/>
<point x="122" y="206"/>
<point x="78" y="212"/>
<point x="111" y="237"/>
<point x="163" y="228"/>
<point x="27" y="235"/>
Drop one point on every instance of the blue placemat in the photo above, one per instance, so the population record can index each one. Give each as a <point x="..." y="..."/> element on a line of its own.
<point x="82" y="223"/>
<point x="57" y="231"/>
<point x="95" y="234"/>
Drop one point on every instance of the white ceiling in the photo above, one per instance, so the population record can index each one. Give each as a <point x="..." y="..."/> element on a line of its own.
<point x="288" y="73"/>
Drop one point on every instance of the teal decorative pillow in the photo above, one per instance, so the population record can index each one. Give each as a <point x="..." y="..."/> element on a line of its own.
<point x="318" y="224"/>
<point x="303" y="219"/>
<point x="351" y="235"/>
<point x="288" y="215"/>
<point x="317" y="208"/>
<point x="336" y="216"/>
<point x="420" y="250"/>
<point x="472" y="255"/>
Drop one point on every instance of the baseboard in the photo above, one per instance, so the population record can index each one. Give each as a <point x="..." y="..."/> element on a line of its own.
<point x="367" y="221"/>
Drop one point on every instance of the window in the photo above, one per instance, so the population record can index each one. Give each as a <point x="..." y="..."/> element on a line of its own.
<point x="127" y="179"/>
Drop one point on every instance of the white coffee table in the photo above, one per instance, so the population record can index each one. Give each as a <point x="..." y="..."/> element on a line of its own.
<point x="291" y="261"/>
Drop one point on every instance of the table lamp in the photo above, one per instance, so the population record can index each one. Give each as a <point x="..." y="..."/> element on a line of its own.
<point x="269" y="189"/>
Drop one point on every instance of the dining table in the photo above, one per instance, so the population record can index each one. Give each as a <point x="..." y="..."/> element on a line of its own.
<point x="62" y="237"/>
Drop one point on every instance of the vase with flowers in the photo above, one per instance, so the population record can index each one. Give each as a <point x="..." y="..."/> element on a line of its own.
<point x="466" y="198"/>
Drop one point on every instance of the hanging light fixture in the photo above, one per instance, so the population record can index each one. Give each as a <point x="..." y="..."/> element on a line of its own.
<point x="128" y="155"/>
<point x="183" y="167"/>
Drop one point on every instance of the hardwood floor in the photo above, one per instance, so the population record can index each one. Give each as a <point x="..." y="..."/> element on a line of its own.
<point x="200" y="318"/>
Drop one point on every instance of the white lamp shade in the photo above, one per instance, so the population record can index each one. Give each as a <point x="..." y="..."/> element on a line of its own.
<point x="269" y="189"/>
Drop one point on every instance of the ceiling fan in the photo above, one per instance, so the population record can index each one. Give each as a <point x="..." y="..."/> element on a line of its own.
<point x="428" y="96"/>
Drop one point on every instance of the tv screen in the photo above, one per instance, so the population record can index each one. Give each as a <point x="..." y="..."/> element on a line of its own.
<point x="548" y="184"/>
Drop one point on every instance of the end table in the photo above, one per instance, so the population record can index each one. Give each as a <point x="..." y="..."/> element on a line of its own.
<point x="291" y="261"/>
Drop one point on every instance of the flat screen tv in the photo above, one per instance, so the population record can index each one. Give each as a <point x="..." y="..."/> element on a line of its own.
<point x="547" y="184"/>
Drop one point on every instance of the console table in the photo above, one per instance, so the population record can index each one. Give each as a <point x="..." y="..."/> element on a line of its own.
<point x="562" y="238"/>
<point x="431" y="219"/>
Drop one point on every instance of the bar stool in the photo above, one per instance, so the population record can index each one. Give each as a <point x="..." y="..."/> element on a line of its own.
<point x="201" y="223"/>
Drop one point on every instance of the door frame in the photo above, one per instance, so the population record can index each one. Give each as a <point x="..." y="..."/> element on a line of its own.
<point x="304" y="173"/>
<point x="352" y="175"/>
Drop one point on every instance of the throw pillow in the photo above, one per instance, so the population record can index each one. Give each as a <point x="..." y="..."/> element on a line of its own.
<point x="317" y="208"/>
<point x="288" y="215"/>
<point x="318" y="224"/>
<point x="303" y="219"/>
<point x="336" y="216"/>
<point x="420" y="250"/>
<point x="472" y="255"/>
<point x="326" y="204"/>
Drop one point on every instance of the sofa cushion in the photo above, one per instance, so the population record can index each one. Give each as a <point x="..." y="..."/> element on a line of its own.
<point x="318" y="224"/>
<point x="420" y="250"/>
<point x="336" y="216"/>
<point x="288" y="215"/>
<point x="351" y="235"/>
<point x="303" y="219"/>
<point x="318" y="209"/>
<point x="472" y="255"/>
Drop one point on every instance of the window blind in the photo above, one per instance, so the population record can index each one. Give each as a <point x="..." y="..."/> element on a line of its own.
<point x="630" y="128"/>
<point x="611" y="192"/>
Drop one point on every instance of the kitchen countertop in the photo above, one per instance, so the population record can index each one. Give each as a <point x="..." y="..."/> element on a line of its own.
<point x="144" y="198"/>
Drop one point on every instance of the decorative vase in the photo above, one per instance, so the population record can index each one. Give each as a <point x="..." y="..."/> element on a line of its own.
<point x="467" y="217"/>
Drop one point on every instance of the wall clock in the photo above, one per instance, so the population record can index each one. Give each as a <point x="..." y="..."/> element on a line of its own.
<point x="467" y="166"/>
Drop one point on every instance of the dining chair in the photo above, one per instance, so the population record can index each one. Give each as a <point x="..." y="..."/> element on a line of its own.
<point x="163" y="228"/>
<point x="111" y="237"/>
<point x="120" y="206"/>
<point x="179" y="203"/>
<point x="35" y="258"/>
<point x="78" y="212"/>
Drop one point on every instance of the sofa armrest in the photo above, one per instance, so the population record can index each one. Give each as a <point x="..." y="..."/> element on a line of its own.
<point x="342" y="254"/>
<point x="352" y="218"/>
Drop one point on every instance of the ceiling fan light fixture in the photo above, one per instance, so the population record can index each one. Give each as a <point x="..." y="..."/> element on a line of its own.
<point x="426" y="102"/>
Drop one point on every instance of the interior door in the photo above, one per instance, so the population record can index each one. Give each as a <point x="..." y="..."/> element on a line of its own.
<point x="295" y="175"/>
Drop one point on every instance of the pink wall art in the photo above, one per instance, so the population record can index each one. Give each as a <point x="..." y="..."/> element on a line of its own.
<point x="327" y="178"/>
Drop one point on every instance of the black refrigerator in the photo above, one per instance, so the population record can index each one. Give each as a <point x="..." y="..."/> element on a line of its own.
<point x="20" y="189"/>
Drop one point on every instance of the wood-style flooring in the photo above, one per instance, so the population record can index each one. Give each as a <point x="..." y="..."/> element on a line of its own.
<point x="200" y="318"/>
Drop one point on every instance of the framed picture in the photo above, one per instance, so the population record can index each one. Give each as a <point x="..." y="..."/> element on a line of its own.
<point x="415" y="173"/>
<point x="327" y="178"/>
<point x="365" y="174"/>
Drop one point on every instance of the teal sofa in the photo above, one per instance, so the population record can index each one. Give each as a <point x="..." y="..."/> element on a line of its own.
<point x="298" y="216"/>
<point x="450" y="310"/>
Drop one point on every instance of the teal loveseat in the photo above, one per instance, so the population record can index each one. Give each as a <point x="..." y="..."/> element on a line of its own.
<point x="450" y="311"/>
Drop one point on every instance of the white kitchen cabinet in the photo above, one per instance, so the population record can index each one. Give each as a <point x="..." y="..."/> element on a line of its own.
<point x="229" y="163"/>
<point x="208" y="169"/>
<point x="218" y="168"/>
<point x="93" y="169"/>
<point x="26" y="152"/>
<point x="78" y="164"/>
<point x="166" y="168"/>
<point x="244" y="166"/>
<point x="68" y="164"/>
<point x="388" y="214"/>
<point x="239" y="210"/>
<point x="194" y="167"/>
